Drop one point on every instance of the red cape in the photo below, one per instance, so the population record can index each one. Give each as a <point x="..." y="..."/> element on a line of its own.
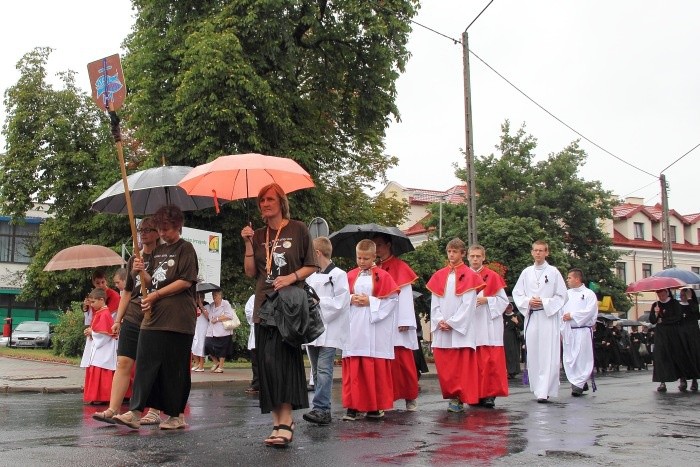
<point x="494" y="281"/>
<point x="383" y="284"/>
<point x="466" y="280"/>
<point x="399" y="271"/>
<point x="102" y="320"/>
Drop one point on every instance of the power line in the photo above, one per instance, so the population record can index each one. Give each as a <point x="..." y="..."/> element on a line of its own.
<point x="559" y="119"/>
<point x="477" y="16"/>
<point x="458" y="41"/>
<point x="672" y="163"/>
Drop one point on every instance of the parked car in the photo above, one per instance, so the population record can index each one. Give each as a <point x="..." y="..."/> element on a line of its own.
<point x="32" y="334"/>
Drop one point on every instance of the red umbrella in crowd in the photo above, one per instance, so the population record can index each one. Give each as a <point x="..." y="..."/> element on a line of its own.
<point x="653" y="283"/>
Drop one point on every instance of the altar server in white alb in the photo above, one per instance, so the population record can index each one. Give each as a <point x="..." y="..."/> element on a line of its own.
<point x="331" y="286"/>
<point x="578" y="318"/>
<point x="540" y="293"/>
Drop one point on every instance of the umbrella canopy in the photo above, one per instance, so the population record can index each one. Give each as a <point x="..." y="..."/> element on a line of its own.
<point x="628" y="322"/>
<point x="644" y="317"/>
<point x="242" y="176"/>
<point x="205" y="287"/>
<point x="607" y="316"/>
<point x="83" y="256"/>
<point x="653" y="283"/>
<point x="150" y="189"/>
<point x="689" y="277"/>
<point x="345" y="240"/>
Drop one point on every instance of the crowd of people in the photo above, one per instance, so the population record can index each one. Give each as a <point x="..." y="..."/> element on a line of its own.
<point x="480" y="337"/>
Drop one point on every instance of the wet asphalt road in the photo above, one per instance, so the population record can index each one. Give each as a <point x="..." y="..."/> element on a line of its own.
<point x="625" y="422"/>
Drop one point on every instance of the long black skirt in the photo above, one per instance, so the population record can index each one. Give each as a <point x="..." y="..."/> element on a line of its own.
<point x="689" y="361"/>
<point x="666" y="339"/>
<point x="162" y="380"/>
<point x="280" y="370"/>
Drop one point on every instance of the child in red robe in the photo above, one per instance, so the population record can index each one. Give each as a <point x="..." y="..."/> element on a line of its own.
<point x="102" y="360"/>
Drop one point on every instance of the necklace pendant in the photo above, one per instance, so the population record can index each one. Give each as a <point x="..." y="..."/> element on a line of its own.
<point x="269" y="279"/>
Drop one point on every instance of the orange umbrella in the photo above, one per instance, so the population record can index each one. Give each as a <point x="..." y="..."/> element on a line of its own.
<point x="242" y="176"/>
<point x="83" y="256"/>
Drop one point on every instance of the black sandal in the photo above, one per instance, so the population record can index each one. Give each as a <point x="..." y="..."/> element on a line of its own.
<point x="683" y="386"/>
<point x="662" y="387"/>
<point x="281" y="441"/>
<point x="694" y="385"/>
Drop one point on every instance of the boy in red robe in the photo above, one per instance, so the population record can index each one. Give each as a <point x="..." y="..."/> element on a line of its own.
<point x="102" y="360"/>
<point x="369" y="350"/>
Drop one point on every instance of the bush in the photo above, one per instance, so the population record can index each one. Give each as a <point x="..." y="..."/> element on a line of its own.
<point x="240" y="336"/>
<point x="68" y="339"/>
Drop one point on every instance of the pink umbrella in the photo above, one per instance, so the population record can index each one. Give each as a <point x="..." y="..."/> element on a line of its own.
<point x="242" y="176"/>
<point x="83" y="256"/>
<point x="653" y="283"/>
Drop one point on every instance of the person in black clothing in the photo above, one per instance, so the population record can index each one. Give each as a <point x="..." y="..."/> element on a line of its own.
<point x="600" y="348"/>
<point x="512" y="326"/>
<point x="666" y="314"/>
<point x="690" y="339"/>
<point x="636" y="340"/>
<point x="614" y="337"/>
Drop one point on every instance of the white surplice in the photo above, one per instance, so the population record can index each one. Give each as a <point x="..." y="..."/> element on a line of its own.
<point x="542" y="325"/>
<point x="371" y="327"/>
<point x="334" y="291"/>
<point x="405" y="315"/>
<point x="582" y="305"/>
<point x="458" y="312"/>
<point x="488" y="320"/>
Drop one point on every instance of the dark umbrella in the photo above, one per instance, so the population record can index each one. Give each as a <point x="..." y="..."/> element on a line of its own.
<point x="204" y="287"/>
<point x="150" y="189"/>
<point x="628" y="322"/>
<point x="689" y="277"/>
<point x="644" y="317"/>
<point x="345" y="240"/>
<point x="607" y="316"/>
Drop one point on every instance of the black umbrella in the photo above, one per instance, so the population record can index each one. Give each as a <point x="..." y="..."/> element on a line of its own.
<point x="628" y="322"/>
<point x="204" y="287"/>
<point x="644" y="317"/>
<point x="345" y="240"/>
<point x="607" y="316"/>
<point x="150" y="189"/>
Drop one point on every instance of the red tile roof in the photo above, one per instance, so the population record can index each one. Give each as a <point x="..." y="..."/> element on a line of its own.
<point x="626" y="210"/>
<point x="455" y="195"/>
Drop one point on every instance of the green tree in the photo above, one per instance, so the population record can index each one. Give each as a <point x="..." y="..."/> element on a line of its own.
<point x="59" y="152"/>
<point x="521" y="200"/>
<point x="309" y="80"/>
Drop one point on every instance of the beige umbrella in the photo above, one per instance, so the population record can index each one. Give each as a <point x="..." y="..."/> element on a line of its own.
<point x="83" y="256"/>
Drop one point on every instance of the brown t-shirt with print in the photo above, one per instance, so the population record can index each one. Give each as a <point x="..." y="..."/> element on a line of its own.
<point x="176" y="313"/>
<point x="134" y="312"/>
<point x="292" y="251"/>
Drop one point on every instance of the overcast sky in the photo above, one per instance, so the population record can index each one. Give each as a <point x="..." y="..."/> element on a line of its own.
<point x="623" y="73"/>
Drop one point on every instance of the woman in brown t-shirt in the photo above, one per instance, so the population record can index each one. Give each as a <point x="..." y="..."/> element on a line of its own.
<point x="278" y="255"/>
<point x="162" y="378"/>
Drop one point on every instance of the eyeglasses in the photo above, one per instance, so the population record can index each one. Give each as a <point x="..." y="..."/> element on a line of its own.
<point x="147" y="230"/>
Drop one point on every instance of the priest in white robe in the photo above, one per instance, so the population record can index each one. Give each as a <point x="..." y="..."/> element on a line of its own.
<point x="540" y="294"/>
<point x="578" y="318"/>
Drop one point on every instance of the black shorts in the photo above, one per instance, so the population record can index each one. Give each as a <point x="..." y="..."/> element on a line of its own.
<point x="128" y="340"/>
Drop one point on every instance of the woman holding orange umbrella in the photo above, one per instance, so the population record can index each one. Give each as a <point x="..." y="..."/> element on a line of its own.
<point x="278" y="255"/>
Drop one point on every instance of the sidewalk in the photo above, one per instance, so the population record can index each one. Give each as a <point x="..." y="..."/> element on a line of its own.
<point x="17" y="375"/>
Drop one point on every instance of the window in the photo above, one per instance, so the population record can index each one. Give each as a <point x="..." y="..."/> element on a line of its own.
<point x="696" y="270"/>
<point x="638" y="231"/>
<point x="620" y="271"/>
<point x="672" y="233"/>
<point x="646" y="270"/>
<point x="15" y="241"/>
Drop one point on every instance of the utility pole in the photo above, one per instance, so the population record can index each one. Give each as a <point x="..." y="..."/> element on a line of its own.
<point x="667" y="245"/>
<point x="471" y="190"/>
